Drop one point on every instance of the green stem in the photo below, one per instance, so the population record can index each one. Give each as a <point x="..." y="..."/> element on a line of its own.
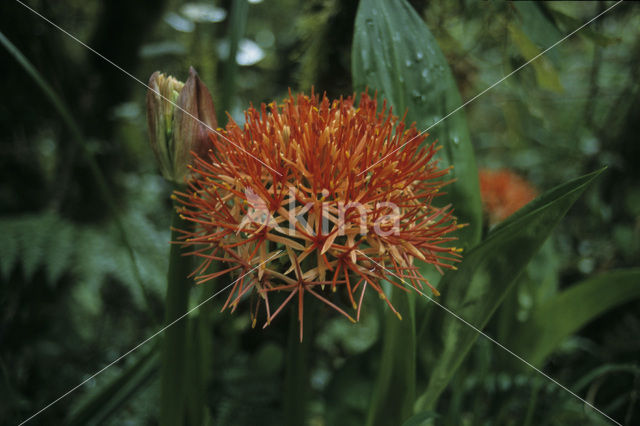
<point x="395" y="388"/>
<point x="296" y="384"/>
<point x="533" y="400"/>
<point x="201" y="353"/>
<point x="174" y="349"/>
<point x="237" y="25"/>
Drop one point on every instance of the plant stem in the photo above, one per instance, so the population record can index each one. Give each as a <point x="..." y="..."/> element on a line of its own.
<point x="395" y="388"/>
<point x="236" y="28"/>
<point x="201" y="343"/>
<point x="533" y="400"/>
<point x="296" y="384"/>
<point x="174" y="349"/>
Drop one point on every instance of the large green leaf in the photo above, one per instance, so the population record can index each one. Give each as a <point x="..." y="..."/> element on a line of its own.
<point x="553" y="321"/>
<point x="488" y="272"/>
<point x="395" y="54"/>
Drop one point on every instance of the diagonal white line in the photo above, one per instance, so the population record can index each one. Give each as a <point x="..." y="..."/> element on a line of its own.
<point x="145" y="85"/>
<point x="491" y="339"/>
<point x="121" y="357"/>
<point x="494" y="84"/>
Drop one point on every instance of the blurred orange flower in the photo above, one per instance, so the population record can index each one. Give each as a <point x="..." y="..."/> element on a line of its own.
<point x="503" y="193"/>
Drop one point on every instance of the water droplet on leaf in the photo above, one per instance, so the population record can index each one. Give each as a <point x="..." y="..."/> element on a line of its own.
<point x="417" y="96"/>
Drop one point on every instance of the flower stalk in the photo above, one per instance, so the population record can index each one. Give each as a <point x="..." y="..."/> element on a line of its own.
<point x="395" y="388"/>
<point x="180" y="117"/>
<point x="296" y="382"/>
<point x="174" y="347"/>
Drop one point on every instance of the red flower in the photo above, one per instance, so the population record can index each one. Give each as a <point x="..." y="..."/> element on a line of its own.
<point x="503" y="193"/>
<point x="289" y="183"/>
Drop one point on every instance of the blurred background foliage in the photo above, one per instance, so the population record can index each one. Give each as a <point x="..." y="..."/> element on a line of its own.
<point x="73" y="298"/>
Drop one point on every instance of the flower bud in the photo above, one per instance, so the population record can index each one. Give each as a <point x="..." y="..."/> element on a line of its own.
<point x="179" y="116"/>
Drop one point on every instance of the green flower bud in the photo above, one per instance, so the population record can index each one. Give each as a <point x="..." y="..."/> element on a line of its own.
<point x="179" y="116"/>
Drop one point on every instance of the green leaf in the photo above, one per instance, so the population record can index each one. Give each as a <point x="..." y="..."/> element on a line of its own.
<point x="546" y="75"/>
<point x="488" y="272"/>
<point x="537" y="25"/>
<point x="570" y="310"/>
<point x="604" y="370"/>
<point x="35" y="241"/>
<point x="590" y="33"/>
<point x="395" y="54"/>
<point x="102" y="403"/>
<point x="422" y="419"/>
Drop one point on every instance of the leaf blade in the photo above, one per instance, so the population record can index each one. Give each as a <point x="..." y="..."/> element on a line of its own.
<point x="488" y="272"/>
<point x="100" y="405"/>
<point x="550" y="323"/>
<point x="395" y="54"/>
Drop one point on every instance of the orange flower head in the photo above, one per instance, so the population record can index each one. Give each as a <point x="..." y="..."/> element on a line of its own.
<point x="503" y="193"/>
<point x="314" y="196"/>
